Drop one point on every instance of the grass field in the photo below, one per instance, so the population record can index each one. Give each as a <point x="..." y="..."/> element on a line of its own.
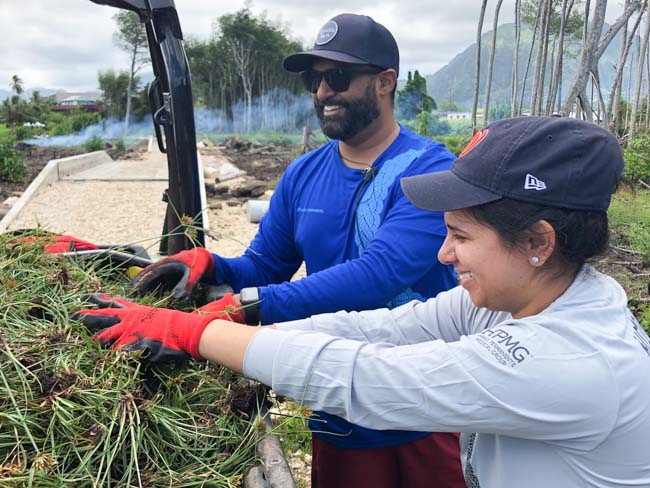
<point x="629" y="217"/>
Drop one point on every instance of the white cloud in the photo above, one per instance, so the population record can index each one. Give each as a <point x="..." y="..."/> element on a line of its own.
<point x="64" y="43"/>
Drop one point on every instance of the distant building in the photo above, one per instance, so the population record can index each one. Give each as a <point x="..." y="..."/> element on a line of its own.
<point x="67" y="102"/>
<point x="459" y="115"/>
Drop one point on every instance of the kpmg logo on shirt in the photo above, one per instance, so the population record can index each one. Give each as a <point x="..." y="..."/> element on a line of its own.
<point x="502" y="345"/>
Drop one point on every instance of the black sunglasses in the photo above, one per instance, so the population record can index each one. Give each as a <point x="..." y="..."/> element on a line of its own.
<point x="338" y="79"/>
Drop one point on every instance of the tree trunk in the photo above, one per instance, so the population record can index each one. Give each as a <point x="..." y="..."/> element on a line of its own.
<point x="546" y="37"/>
<point x="617" y="87"/>
<point x="639" y="78"/>
<point x="129" y="87"/>
<point x="541" y="15"/>
<point x="530" y="57"/>
<point x="589" y="48"/>
<point x="515" y="62"/>
<point x="477" y="78"/>
<point x="556" y="76"/>
<point x="488" y="85"/>
<point x="647" y="100"/>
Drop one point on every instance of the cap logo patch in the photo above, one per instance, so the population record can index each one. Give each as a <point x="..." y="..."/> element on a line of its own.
<point x="327" y="33"/>
<point x="475" y="141"/>
<point x="533" y="183"/>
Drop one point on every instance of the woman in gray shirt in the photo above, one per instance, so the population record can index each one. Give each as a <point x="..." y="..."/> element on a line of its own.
<point x="534" y="357"/>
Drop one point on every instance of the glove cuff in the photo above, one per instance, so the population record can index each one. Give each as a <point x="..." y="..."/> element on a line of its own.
<point x="195" y="337"/>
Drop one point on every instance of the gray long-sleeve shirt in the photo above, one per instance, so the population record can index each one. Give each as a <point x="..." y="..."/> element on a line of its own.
<point x="561" y="398"/>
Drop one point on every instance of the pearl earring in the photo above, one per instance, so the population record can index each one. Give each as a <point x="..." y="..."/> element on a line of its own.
<point x="534" y="260"/>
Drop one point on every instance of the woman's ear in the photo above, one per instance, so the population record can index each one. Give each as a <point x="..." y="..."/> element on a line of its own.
<point x="541" y="243"/>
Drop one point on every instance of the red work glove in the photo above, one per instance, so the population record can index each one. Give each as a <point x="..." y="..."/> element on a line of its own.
<point x="179" y="273"/>
<point x="57" y="244"/>
<point x="225" y="308"/>
<point x="162" y="334"/>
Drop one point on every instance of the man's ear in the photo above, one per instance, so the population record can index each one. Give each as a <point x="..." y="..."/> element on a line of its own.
<point x="541" y="241"/>
<point x="387" y="80"/>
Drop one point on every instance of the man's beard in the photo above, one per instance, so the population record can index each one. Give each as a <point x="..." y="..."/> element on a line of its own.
<point x="359" y="114"/>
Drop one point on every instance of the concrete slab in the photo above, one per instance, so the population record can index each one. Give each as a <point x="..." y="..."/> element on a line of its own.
<point x="153" y="169"/>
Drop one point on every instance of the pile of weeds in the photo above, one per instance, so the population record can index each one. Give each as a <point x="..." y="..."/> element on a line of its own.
<point x="75" y="414"/>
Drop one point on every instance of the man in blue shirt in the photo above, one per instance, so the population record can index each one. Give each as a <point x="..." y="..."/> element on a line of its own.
<point x="341" y="210"/>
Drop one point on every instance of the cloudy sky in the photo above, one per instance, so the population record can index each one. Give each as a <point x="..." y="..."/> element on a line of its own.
<point x="62" y="44"/>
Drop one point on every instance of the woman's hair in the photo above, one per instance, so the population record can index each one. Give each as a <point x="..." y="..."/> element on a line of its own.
<point x="580" y="234"/>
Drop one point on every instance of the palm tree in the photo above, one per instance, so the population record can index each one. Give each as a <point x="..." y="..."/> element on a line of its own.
<point x="16" y="84"/>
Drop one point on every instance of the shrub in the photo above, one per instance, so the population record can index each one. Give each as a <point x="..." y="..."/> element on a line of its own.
<point x="22" y="133"/>
<point x="12" y="167"/>
<point x="119" y="145"/>
<point x="455" y="143"/>
<point x="637" y="160"/>
<point x="94" y="144"/>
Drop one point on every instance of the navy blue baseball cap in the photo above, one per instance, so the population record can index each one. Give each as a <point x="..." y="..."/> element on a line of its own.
<point x="349" y="38"/>
<point x="552" y="161"/>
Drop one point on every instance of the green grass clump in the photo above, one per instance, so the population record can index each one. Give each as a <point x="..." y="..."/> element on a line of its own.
<point x="629" y="219"/>
<point x="269" y="137"/>
<point x="75" y="414"/>
<point x="629" y="259"/>
<point x="94" y="144"/>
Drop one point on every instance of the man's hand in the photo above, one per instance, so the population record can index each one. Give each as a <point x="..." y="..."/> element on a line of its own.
<point x="179" y="273"/>
<point x="54" y="244"/>
<point x="162" y="334"/>
<point x="226" y="308"/>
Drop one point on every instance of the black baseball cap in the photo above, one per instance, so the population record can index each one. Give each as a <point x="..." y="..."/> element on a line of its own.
<point x="349" y="38"/>
<point x="553" y="161"/>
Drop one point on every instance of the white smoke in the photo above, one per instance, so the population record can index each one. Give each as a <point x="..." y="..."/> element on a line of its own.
<point x="104" y="129"/>
<point x="278" y="110"/>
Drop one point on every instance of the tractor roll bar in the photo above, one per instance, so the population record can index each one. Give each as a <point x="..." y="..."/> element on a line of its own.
<point x="170" y="97"/>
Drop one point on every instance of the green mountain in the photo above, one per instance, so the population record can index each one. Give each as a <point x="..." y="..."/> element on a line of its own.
<point x="455" y="81"/>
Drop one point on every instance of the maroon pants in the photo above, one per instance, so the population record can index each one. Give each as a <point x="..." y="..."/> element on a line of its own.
<point x="430" y="462"/>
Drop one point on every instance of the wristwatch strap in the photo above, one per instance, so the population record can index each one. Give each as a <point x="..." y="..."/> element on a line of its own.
<point x="250" y="300"/>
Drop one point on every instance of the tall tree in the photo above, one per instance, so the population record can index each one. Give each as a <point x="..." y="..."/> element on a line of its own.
<point x="252" y="48"/>
<point x="488" y="84"/>
<point x="477" y="75"/>
<point x="538" y="76"/>
<point x="16" y="84"/>
<point x="556" y="74"/>
<point x="592" y="50"/>
<point x="613" y="108"/>
<point x="114" y="89"/>
<point x="639" y="77"/>
<point x="132" y="38"/>
<point x="413" y="99"/>
<point x="515" y="61"/>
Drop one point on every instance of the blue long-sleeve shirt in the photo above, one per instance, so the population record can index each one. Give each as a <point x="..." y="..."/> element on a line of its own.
<point x="365" y="246"/>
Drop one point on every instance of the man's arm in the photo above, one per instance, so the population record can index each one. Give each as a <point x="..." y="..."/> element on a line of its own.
<point x="403" y="251"/>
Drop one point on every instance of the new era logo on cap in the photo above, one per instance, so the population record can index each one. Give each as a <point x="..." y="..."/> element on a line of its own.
<point x="533" y="183"/>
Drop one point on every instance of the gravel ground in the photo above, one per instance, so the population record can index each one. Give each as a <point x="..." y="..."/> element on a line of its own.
<point x="96" y="211"/>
